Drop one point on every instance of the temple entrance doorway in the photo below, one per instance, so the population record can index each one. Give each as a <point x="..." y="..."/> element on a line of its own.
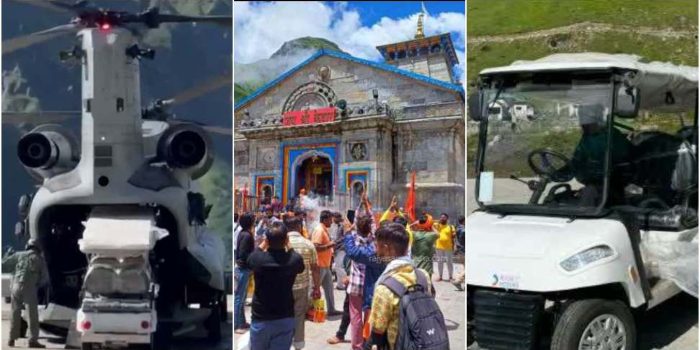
<point x="315" y="175"/>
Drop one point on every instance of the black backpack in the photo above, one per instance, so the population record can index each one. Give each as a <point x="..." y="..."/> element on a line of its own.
<point x="421" y="323"/>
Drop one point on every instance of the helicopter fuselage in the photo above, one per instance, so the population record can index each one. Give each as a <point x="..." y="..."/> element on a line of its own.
<point x="124" y="165"/>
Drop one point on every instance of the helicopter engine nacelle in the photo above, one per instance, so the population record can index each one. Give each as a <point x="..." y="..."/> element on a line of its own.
<point x="188" y="147"/>
<point x="48" y="150"/>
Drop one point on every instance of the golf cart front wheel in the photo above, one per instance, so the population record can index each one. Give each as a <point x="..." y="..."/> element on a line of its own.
<point x="595" y="324"/>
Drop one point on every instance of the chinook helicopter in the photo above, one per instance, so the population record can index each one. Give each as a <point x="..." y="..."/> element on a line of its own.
<point x="117" y="212"/>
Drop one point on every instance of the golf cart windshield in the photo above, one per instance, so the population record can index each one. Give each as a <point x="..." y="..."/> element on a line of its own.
<point x="545" y="142"/>
<point x="581" y="142"/>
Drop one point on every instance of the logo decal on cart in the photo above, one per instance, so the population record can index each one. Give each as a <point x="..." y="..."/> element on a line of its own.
<point x="506" y="280"/>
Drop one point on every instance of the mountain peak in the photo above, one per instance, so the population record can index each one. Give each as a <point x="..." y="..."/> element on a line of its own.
<point x="292" y="47"/>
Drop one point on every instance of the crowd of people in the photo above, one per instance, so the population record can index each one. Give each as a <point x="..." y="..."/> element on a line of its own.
<point x="376" y="259"/>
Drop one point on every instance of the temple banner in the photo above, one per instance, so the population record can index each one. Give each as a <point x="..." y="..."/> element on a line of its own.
<point x="309" y="116"/>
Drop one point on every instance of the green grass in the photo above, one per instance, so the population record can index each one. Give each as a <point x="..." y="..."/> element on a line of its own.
<point x="509" y="156"/>
<point x="240" y="91"/>
<point x="512" y="159"/>
<point x="485" y="55"/>
<point x="493" y="17"/>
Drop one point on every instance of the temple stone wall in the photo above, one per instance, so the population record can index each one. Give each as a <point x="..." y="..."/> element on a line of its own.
<point x="438" y="68"/>
<point x="378" y="143"/>
<point x="352" y="82"/>
<point x="424" y="131"/>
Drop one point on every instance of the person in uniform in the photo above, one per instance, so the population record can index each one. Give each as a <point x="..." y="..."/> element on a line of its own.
<point x="30" y="274"/>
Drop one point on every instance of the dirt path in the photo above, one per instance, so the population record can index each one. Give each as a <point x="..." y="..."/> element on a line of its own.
<point x="592" y="27"/>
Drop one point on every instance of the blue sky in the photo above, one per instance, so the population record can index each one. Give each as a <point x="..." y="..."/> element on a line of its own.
<point x="260" y="28"/>
<point x="372" y="11"/>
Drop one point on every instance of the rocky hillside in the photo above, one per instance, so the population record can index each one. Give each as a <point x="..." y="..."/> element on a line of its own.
<point x="186" y="56"/>
<point x="251" y="76"/>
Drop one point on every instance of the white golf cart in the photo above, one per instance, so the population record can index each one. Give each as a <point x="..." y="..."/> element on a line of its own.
<point x="583" y="221"/>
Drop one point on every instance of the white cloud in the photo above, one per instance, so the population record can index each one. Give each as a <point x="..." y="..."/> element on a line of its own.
<point x="261" y="28"/>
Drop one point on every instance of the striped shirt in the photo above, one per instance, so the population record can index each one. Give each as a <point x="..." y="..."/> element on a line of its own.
<point x="307" y="250"/>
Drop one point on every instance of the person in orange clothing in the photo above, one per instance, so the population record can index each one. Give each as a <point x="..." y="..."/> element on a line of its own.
<point x="425" y="222"/>
<point x="324" y="249"/>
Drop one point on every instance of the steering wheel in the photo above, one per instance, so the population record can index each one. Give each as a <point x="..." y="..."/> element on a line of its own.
<point x="554" y="195"/>
<point x="550" y="164"/>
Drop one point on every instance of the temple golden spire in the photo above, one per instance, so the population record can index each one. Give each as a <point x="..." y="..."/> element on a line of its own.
<point x="419" y="28"/>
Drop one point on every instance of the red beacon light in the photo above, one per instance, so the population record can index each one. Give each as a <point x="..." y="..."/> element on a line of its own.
<point x="105" y="26"/>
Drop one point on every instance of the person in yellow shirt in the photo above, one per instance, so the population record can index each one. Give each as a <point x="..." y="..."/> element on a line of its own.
<point x="444" y="246"/>
<point x="396" y="214"/>
<point x="392" y="246"/>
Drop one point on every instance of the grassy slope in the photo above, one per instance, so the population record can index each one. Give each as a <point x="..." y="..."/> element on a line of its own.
<point x="484" y="55"/>
<point x="240" y="91"/>
<point x="520" y="16"/>
<point x="489" y="17"/>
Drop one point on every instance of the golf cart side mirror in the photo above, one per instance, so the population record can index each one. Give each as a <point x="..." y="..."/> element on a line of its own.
<point x="626" y="102"/>
<point x="474" y="105"/>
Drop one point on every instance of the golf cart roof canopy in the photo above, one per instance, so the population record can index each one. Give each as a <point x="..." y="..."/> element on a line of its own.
<point x="664" y="87"/>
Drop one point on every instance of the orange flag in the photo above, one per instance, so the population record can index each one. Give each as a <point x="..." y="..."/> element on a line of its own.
<point x="410" y="206"/>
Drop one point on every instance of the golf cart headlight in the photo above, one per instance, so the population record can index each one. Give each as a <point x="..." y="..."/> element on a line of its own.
<point x="586" y="257"/>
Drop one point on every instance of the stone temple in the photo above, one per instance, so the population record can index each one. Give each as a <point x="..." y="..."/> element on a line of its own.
<point x="337" y="125"/>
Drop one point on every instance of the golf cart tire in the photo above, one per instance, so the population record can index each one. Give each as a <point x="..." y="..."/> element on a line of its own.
<point x="87" y="346"/>
<point x="577" y="316"/>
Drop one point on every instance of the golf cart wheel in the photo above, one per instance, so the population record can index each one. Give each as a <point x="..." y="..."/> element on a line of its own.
<point x="88" y="346"/>
<point x="595" y="324"/>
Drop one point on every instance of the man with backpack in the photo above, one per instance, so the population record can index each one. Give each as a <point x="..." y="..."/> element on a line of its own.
<point x="404" y="314"/>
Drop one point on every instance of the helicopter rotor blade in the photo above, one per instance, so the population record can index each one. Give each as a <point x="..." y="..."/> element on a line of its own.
<point x="41" y="117"/>
<point x="212" y="129"/>
<point x="218" y="130"/>
<point x="14" y="44"/>
<point x="75" y="7"/>
<point x="49" y="5"/>
<point x="152" y="18"/>
<point x="202" y="89"/>
<point x="220" y="20"/>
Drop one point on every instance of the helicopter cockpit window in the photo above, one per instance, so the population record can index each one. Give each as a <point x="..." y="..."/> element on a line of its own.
<point x="547" y="141"/>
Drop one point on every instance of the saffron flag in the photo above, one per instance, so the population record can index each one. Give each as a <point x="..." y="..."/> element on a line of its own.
<point x="410" y="206"/>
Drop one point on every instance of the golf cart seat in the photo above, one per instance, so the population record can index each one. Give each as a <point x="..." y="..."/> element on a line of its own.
<point x="677" y="218"/>
<point x="664" y="166"/>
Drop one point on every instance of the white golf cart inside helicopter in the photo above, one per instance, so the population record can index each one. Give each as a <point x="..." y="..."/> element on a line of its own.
<point x="585" y="218"/>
